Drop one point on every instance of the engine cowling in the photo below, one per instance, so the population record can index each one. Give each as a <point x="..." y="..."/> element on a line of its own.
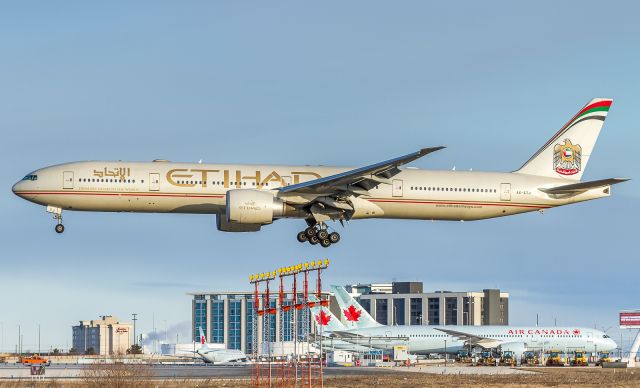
<point x="246" y="206"/>
<point x="224" y="226"/>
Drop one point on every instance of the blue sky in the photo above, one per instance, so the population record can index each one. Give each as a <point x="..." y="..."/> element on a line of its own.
<point x="298" y="83"/>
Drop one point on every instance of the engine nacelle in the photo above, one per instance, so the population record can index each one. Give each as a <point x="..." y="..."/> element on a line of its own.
<point x="246" y="206"/>
<point x="224" y="226"/>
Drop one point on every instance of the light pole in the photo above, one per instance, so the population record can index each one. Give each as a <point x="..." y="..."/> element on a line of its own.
<point x="135" y="318"/>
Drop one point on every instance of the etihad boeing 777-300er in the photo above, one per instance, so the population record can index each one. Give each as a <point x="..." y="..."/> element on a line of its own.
<point x="246" y="197"/>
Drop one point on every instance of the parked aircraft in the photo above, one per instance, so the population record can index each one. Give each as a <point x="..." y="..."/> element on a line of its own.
<point x="425" y="339"/>
<point x="218" y="356"/>
<point x="246" y="197"/>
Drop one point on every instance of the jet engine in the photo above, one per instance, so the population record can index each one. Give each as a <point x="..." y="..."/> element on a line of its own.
<point x="252" y="207"/>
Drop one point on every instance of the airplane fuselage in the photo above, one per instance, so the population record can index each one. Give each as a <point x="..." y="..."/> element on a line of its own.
<point x="429" y="339"/>
<point x="166" y="187"/>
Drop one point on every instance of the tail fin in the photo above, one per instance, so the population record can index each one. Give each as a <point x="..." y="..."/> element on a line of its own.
<point x="356" y="316"/>
<point x="203" y="339"/>
<point x="324" y="317"/>
<point x="566" y="154"/>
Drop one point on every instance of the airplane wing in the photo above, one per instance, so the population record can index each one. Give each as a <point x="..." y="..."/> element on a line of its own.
<point x="332" y="197"/>
<point x="577" y="188"/>
<point x="346" y="334"/>
<point x="359" y="180"/>
<point x="472" y="339"/>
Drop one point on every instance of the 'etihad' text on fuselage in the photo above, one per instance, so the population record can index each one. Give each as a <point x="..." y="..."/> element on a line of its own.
<point x="183" y="177"/>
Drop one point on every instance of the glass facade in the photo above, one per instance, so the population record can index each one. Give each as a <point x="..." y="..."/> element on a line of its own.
<point x="249" y="326"/>
<point x="269" y="332"/>
<point x="235" y="324"/>
<point x="434" y="311"/>
<point x="466" y="318"/>
<point x="287" y="320"/>
<point x="451" y="311"/>
<point x="416" y="311"/>
<point x="381" y="311"/>
<point x="398" y="311"/>
<point x="366" y="305"/>
<point x="200" y="316"/>
<point x="217" y="321"/>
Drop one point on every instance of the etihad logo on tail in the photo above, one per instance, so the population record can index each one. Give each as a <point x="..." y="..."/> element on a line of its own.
<point x="352" y="314"/>
<point x="567" y="158"/>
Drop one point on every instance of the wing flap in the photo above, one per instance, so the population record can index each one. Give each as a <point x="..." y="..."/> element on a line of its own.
<point x="581" y="187"/>
<point x="472" y="339"/>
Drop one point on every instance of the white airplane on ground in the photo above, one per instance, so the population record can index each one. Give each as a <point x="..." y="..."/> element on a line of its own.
<point x="218" y="356"/>
<point x="422" y="339"/>
<point x="246" y="197"/>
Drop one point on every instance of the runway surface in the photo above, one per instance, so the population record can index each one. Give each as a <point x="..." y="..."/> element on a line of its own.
<point x="181" y="371"/>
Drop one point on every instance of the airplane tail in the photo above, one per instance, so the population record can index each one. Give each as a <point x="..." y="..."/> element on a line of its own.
<point x="324" y="317"/>
<point x="356" y="316"/>
<point x="566" y="154"/>
<point x="203" y="339"/>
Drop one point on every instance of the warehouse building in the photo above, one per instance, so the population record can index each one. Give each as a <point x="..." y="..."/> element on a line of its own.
<point x="227" y="317"/>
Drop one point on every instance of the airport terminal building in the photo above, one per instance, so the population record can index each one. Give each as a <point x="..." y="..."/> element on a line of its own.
<point x="227" y="317"/>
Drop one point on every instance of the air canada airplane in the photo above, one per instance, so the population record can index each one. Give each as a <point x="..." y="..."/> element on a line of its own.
<point x="246" y="197"/>
<point x="363" y="330"/>
<point x="218" y="356"/>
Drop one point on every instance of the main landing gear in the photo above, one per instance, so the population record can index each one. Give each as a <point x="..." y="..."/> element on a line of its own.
<point x="317" y="234"/>
<point x="57" y="215"/>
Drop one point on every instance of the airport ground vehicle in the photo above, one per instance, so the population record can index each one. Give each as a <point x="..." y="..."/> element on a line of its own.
<point x="604" y="357"/>
<point x="555" y="359"/>
<point x="507" y="358"/>
<point x="579" y="358"/>
<point x="487" y="358"/>
<point x="530" y="358"/>
<point x="34" y="360"/>
<point x="463" y="356"/>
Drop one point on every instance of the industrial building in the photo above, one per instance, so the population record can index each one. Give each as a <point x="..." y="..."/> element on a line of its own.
<point x="226" y="317"/>
<point x="106" y="336"/>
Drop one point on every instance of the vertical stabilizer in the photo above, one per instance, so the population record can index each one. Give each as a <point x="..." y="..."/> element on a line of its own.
<point x="324" y="317"/>
<point x="354" y="314"/>
<point x="567" y="153"/>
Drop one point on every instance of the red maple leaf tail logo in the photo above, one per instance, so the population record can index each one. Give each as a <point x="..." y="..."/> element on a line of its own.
<point x="323" y="319"/>
<point x="352" y="314"/>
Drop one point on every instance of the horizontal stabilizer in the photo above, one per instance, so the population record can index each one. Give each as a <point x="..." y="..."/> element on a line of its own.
<point x="581" y="187"/>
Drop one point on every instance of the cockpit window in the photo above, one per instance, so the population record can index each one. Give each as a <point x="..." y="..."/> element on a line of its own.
<point x="30" y="177"/>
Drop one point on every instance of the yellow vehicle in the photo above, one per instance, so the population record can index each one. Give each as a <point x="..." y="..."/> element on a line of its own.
<point x="530" y="358"/>
<point x="34" y="360"/>
<point x="579" y="358"/>
<point x="463" y="356"/>
<point x="555" y="358"/>
<point x="604" y="357"/>
<point x="487" y="358"/>
<point x="507" y="358"/>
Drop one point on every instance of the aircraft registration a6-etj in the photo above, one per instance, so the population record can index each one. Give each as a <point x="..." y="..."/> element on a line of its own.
<point x="246" y="197"/>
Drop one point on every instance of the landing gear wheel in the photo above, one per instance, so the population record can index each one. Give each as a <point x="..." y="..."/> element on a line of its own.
<point x="311" y="231"/>
<point x="325" y="243"/>
<point x="59" y="228"/>
<point x="334" y="237"/>
<point x="302" y="237"/>
<point x="323" y="234"/>
<point x="313" y="240"/>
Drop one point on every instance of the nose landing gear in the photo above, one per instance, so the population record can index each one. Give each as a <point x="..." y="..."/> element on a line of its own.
<point x="318" y="234"/>
<point x="57" y="215"/>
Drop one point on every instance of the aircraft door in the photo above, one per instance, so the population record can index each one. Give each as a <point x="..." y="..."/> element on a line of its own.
<point x="67" y="180"/>
<point x="154" y="182"/>
<point x="505" y="191"/>
<point x="397" y="188"/>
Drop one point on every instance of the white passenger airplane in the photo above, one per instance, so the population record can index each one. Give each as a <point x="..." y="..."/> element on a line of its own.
<point x="218" y="356"/>
<point x="246" y="197"/>
<point x="425" y="339"/>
